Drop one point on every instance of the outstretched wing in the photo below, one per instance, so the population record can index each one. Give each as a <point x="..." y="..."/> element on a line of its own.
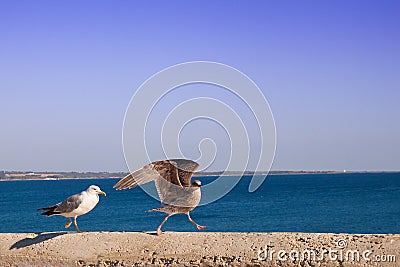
<point x="170" y="176"/>
<point x="175" y="171"/>
<point x="138" y="177"/>
<point x="186" y="169"/>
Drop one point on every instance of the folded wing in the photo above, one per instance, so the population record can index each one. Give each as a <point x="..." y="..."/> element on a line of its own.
<point x="66" y="206"/>
<point x="69" y="204"/>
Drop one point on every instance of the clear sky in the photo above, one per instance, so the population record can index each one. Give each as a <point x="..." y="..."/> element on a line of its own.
<point x="329" y="69"/>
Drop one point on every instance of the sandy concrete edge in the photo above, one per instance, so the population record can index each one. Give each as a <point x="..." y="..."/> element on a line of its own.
<point x="198" y="248"/>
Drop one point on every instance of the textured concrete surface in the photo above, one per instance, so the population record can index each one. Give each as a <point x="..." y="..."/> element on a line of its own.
<point x="198" y="249"/>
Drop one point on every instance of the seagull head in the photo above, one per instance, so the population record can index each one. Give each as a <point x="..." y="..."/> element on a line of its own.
<point x="94" y="189"/>
<point x="196" y="183"/>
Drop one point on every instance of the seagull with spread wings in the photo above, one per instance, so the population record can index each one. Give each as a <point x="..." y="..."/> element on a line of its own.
<point x="172" y="179"/>
<point x="75" y="205"/>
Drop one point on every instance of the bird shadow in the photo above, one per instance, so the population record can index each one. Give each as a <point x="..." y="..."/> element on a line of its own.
<point x="151" y="233"/>
<point x="41" y="237"/>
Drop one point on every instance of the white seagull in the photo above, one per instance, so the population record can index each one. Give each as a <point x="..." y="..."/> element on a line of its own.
<point x="76" y="205"/>
<point x="172" y="180"/>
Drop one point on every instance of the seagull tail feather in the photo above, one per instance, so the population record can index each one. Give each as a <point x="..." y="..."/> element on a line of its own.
<point x="160" y="209"/>
<point x="49" y="211"/>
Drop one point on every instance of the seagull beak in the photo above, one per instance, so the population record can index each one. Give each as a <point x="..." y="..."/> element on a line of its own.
<point x="102" y="193"/>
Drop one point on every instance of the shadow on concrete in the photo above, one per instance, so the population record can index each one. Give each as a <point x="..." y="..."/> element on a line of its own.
<point x="41" y="237"/>
<point x="151" y="233"/>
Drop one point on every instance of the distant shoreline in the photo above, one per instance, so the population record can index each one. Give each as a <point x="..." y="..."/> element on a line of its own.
<point x="43" y="176"/>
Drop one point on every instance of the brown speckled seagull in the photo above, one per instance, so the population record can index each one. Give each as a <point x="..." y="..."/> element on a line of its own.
<point x="172" y="180"/>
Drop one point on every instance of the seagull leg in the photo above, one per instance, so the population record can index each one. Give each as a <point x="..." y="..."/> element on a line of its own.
<point x="76" y="225"/>
<point x="68" y="224"/>
<point x="199" y="227"/>
<point x="159" y="232"/>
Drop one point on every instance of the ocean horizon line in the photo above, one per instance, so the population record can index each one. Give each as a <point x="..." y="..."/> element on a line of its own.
<point x="54" y="175"/>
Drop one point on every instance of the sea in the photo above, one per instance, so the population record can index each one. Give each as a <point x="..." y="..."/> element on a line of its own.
<point x="324" y="203"/>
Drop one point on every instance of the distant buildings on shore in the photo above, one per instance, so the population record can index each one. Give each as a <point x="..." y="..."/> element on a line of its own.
<point x="29" y="175"/>
<point x="18" y="175"/>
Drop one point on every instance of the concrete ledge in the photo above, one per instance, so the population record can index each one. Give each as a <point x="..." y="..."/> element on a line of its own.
<point x="198" y="248"/>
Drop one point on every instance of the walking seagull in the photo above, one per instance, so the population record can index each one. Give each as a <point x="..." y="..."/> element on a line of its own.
<point x="172" y="180"/>
<point x="76" y="205"/>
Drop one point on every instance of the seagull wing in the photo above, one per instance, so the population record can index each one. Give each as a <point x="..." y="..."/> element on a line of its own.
<point x="177" y="193"/>
<point x="138" y="177"/>
<point x="186" y="169"/>
<point x="151" y="172"/>
<point x="170" y="177"/>
<point x="69" y="204"/>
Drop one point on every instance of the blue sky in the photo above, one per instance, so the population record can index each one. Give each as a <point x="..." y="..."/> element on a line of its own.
<point x="329" y="69"/>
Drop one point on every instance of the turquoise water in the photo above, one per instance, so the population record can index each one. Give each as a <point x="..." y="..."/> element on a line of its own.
<point x="351" y="203"/>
